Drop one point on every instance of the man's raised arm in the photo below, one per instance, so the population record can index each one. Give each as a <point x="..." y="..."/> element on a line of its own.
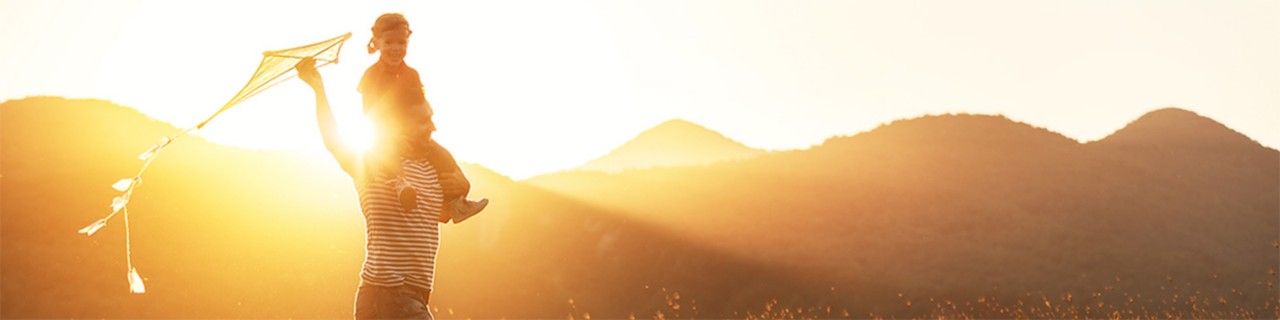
<point x="324" y="117"/>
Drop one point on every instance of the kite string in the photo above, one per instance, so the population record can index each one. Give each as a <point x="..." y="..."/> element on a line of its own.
<point x="127" y="186"/>
<point x="150" y="155"/>
<point x="135" y="281"/>
<point x="128" y="247"/>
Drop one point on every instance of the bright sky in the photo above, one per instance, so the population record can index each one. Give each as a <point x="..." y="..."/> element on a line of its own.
<point x="527" y="87"/>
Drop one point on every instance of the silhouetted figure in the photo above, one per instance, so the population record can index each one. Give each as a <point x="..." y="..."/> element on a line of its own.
<point x="400" y="240"/>
<point x="391" y="38"/>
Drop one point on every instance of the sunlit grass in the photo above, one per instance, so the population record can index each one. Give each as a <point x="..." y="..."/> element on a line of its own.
<point x="1172" y="301"/>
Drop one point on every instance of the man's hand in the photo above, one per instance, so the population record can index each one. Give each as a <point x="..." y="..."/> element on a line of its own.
<point x="454" y="181"/>
<point x="308" y="73"/>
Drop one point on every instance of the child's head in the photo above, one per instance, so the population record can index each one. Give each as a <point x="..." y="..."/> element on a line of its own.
<point x="391" y="37"/>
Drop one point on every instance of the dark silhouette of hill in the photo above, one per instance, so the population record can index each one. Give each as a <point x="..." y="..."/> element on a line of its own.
<point x="225" y="232"/>
<point x="928" y="210"/>
<point x="957" y="207"/>
<point x="206" y="220"/>
<point x="1194" y="149"/>
<point x="672" y="143"/>
<point x="1174" y="128"/>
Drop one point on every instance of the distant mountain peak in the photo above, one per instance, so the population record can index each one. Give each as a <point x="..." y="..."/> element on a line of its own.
<point x="956" y="130"/>
<point x="677" y="127"/>
<point x="677" y="124"/>
<point x="1176" y="127"/>
<point x="1172" y="117"/>
<point x="674" y="142"/>
<point x="1172" y="111"/>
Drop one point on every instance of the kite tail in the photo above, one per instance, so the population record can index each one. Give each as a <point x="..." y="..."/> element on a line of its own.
<point x="274" y="69"/>
<point x="119" y="205"/>
<point x="135" y="281"/>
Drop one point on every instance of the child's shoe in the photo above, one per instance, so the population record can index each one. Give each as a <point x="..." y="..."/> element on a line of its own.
<point x="463" y="209"/>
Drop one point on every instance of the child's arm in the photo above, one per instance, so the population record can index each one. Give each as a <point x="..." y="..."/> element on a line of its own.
<point x="324" y="117"/>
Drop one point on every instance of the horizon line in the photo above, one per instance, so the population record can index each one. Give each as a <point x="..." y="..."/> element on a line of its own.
<point x="882" y="124"/>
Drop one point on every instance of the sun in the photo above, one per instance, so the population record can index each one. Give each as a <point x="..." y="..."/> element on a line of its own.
<point x="357" y="133"/>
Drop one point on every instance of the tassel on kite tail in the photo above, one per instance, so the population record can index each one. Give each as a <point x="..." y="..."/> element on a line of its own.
<point x="127" y="185"/>
<point x="333" y="46"/>
<point x="135" y="281"/>
<point x="120" y="203"/>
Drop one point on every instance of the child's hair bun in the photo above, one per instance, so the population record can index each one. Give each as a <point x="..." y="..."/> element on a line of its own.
<point x="390" y="21"/>
<point x="387" y="21"/>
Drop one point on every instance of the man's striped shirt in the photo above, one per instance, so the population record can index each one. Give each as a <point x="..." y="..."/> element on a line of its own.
<point x="400" y="247"/>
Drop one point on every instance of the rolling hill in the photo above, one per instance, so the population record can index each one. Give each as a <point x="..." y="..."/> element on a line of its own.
<point x="916" y="218"/>
<point x="672" y="143"/>
<point x="225" y="232"/>
<point x="958" y="207"/>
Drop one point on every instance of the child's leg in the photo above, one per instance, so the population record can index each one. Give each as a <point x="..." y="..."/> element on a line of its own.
<point x="456" y="206"/>
<point x="444" y="163"/>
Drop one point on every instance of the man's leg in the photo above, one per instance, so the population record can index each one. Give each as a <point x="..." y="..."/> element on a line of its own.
<point x="412" y="304"/>
<point x="371" y="302"/>
<point x="400" y="302"/>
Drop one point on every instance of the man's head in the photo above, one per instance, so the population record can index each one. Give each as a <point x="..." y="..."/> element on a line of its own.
<point x="404" y="120"/>
<point x="391" y="37"/>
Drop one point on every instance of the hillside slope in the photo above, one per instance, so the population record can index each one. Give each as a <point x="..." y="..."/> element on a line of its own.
<point x="961" y="206"/>
<point x="672" y="143"/>
<point x="224" y="232"/>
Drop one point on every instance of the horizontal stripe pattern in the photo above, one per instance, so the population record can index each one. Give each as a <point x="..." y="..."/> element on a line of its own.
<point x="400" y="247"/>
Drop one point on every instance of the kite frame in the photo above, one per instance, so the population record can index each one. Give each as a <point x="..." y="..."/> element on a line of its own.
<point x="121" y="203"/>
<point x="240" y="96"/>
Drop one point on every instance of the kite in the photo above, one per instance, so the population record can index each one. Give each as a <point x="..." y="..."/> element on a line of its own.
<point x="276" y="67"/>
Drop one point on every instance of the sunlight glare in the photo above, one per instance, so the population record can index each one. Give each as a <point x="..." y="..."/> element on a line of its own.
<point x="357" y="133"/>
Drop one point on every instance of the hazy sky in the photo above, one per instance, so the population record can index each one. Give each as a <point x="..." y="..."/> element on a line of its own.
<point x="534" y="86"/>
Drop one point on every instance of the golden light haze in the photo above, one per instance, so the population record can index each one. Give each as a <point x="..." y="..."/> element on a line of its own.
<point x="531" y="87"/>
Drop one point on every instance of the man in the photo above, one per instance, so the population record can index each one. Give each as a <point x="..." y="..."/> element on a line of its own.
<point x="401" y="242"/>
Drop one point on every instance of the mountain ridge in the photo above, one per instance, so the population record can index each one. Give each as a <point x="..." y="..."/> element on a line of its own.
<point x="1174" y="127"/>
<point x="990" y="208"/>
<point x="930" y="202"/>
<point x="674" y="142"/>
<point x="256" y="233"/>
<point x="1170" y="126"/>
